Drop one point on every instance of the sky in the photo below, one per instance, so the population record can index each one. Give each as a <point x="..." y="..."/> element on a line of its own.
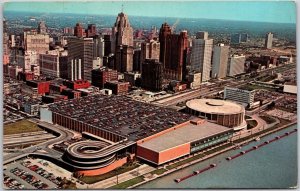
<point x="259" y="11"/>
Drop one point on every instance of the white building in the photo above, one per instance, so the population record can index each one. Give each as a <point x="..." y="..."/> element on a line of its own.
<point x="243" y="97"/>
<point x="236" y="65"/>
<point x="220" y="61"/>
<point x="269" y="40"/>
<point x="201" y="55"/>
<point x="290" y="88"/>
<point x="54" y="63"/>
<point x="31" y="62"/>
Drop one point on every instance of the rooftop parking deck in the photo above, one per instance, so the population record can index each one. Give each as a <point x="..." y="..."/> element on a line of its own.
<point x="120" y="114"/>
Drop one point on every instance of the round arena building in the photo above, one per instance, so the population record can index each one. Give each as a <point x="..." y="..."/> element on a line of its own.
<point x="222" y="112"/>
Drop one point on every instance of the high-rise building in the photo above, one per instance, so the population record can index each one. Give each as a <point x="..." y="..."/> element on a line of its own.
<point x="220" y="61"/>
<point x="201" y="56"/>
<point x="99" y="47"/>
<point x="31" y="62"/>
<point x="244" y="37"/>
<point x="69" y="30"/>
<point x="124" y="58"/>
<point x="79" y="31"/>
<point x="102" y="75"/>
<point x="269" y="40"/>
<point x="173" y="52"/>
<point x="107" y="45"/>
<point x="152" y="75"/>
<point x="54" y="64"/>
<point x="150" y="50"/>
<point x="137" y="54"/>
<point x="235" y="38"/>
<point x="122" y="43"/>
<point x="42" y="29"/>
<point x="165" y="31"/>
<point x="81" y="49"/>
<point x="36" y="42"/>
<point x="202" y="35"/>
<point x="91" y="30"/>
<point x="236" y="65"/>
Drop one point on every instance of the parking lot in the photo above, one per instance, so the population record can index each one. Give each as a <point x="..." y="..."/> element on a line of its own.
<point x="32" y="176"/>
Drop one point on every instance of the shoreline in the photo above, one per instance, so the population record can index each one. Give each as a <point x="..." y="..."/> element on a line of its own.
<point x="211" y="155"/>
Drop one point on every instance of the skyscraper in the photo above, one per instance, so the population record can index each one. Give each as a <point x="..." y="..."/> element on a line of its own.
<point x="220" y="60"/>
<point x="152" y="75"/>
<point x="165" y="30"/>
<point x="201" y="55"/>
<point x="122" y="43"/>
<point x="91" y="30"/>
<point x="79" y="31"/>
<point x="81" y="49"/>
<point x="42" y="29"/>
<point x="244" y="37"/>
<point x="235" y="38"/>
<point x="175" y="53"/>
<point x="150" y="50"/>
<point x="269" y="40"/>
<point x="236" y="65"/>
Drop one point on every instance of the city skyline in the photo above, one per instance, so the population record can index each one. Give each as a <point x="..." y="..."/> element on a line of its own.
<point x="113" y="102"/>
<point x="277" y="12"/>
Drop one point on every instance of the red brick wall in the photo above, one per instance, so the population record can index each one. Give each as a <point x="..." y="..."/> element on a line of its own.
<point x="43" y="87"/>
<point x="174" y="153"/>
<point x="147" y="154"/>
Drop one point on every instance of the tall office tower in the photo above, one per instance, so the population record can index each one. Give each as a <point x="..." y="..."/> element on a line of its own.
<point x="36" y="42"/>
<point x="236" y="65"/>
<point x="244" y="37"/>
<point x="124" y="58"/>
<point x="175" y="53"/>
<point x="137" y="59"/>
<point x="201" y="56"/>
<point x="122" y="44"/>
<point x="107" y="45"/>
<point x="164" y="31"/>
<point x="54" y="64"/>
<point x="152" y="75"/>
<point x="99" y="47"/>
<point x="269" y="40"/>
<point x="91" y="30"/>
<point x="150" y="50"/>
<point x="81" y="49"/>
<point x="202" y="35"/>
<point x="69" y="30"/>
<point x="235" y="38"/>
<point x="79" y="31"/>
<point x="220" y="60"/>
<point x="42" y="29"/>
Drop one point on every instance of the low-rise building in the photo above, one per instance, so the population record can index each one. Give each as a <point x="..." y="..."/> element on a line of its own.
<point x="118" y="88"/>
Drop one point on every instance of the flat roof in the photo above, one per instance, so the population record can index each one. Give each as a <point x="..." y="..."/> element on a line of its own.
<point x="120" y="114"/>
<point x="215" y="106"/>
<point x="183" y="135"/>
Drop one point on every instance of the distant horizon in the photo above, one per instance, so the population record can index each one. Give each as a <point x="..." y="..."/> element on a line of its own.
<point x="251" y="11"/>
<point x="169" y="17"/>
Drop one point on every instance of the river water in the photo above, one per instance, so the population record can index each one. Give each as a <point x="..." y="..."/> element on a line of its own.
<point x="271" y="166"/>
